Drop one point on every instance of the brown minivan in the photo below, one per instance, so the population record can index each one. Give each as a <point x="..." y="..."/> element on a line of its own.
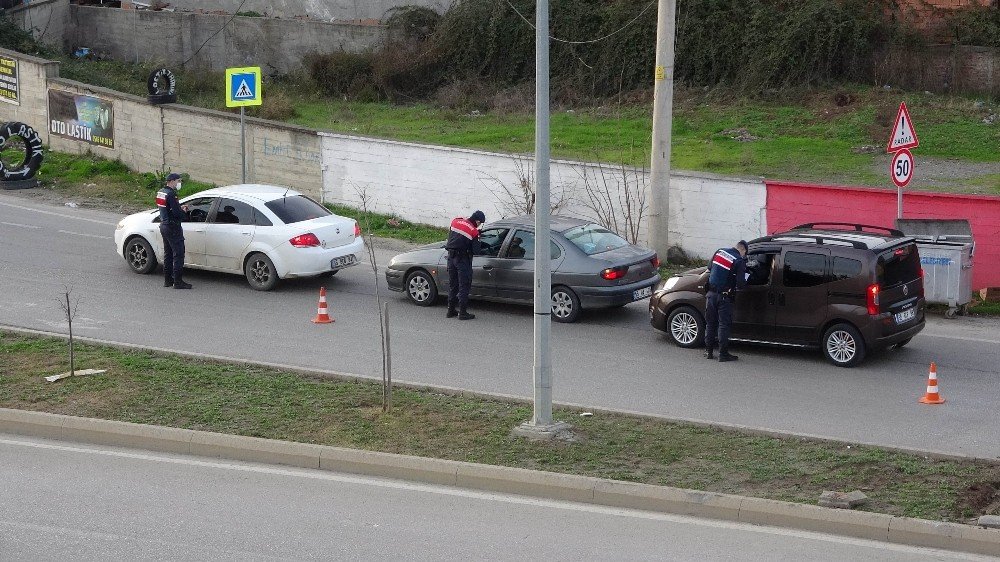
<point x="848" y="289"/>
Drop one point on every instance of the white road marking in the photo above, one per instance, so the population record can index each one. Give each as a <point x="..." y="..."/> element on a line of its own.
<point x="19" y="225"/>
<point x="74" y="217"/>
<point x="85" y="235"/>
<point x="317" y="474"/>
<point x="961" y="338"/>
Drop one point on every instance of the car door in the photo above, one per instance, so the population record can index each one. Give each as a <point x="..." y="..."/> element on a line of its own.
<point x="754" y="308"/>
<point x="515" y="272"/>
<point x="229" y="231"/>
<point x="801" y="296"/>
<point x="199" y="209"/>
<point x="484" y="264"/>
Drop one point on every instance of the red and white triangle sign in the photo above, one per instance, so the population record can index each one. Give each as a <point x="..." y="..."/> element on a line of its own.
<point x="903" y="134"/>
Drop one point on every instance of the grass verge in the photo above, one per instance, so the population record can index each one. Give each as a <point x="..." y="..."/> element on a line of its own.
<point x="150" y="388"/>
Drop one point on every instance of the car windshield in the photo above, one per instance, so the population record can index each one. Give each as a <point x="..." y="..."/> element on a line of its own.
<point x="297" y="208"/>
<point x="902" y="265"/>
<point x="594" y="239"/>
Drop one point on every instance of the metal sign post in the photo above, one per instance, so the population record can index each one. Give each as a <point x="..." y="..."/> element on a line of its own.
<point x="243" y="88"/>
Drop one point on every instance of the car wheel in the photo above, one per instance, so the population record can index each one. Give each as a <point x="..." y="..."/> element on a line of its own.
<point x="565" y="305"/>
<point x="843" y="345"/>
<point x="260" y="272"/>
<point x="899" y="345"/>
<point x="421" y="288"/>
<point x="686" y="327"/>
<point x="139" y="255"/>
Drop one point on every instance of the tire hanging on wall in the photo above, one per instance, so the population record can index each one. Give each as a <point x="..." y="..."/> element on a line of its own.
<point x="162" y="86"/>
<point x="33" y="151"/>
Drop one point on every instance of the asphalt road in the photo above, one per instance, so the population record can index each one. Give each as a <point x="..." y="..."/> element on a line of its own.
<point x="65" y="501"/>
<point x="610" y="359"/>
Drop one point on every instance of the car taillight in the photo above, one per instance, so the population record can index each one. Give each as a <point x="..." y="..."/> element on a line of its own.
<point x="357" y="230"/>
<point x="613" y="273"/>
<point x="872" y="299"/>
<point x="308" y="240"/>
<point x="655" y="261"/>
<point x="921" y="281"/>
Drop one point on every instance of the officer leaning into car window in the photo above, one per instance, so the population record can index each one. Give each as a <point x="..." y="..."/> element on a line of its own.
<point x="172" y="213"/>
<point x="463" y="243"/>
<point x="727" y="274"/>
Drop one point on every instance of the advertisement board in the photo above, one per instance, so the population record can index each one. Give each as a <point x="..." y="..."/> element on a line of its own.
<point x="82" y="118"/>
<point x="8" y="80"/>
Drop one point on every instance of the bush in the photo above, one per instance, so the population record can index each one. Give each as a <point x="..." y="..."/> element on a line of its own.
<point x="977" y="26"/>
<point x="340" y="74"/>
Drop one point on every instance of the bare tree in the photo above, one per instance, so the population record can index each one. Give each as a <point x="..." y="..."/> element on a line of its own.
<point x="519" y="199"/>
<point x="367" y="208"/>
<point x="616" y="197"/>
<point x="69" y="308"/>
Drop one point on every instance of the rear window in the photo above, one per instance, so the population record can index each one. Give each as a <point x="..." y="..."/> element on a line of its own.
<point x="594" y="239"/>
<point x="898" y="266"/>
<point x="297" y="208"/>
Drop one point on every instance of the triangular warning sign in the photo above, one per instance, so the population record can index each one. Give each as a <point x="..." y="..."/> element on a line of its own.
<point x="903" y="133"/>
<point x="243" y="92"/>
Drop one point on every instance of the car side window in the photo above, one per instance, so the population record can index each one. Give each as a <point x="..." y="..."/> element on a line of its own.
<point x="260" y="219"/>
<point x="759" y="269"/>
<point x="845" y="268"/>
<point x="804" y="269"/>
<point x="233" y="212"/>
<point x="199" y="208"/>
<point x="522" y="246"/>
<point x="491" y="240"/>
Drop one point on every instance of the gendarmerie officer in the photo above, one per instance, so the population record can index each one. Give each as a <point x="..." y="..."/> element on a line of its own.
<point x="463" y="243"/>
<point x="172" y="213"/>
<point x="726" y="275"/>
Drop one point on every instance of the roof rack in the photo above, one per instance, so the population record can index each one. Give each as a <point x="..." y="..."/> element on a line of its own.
<point x="854" y="226"/>
<point x="815" y="238"/>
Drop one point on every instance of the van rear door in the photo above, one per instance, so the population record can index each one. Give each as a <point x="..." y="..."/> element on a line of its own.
<point x="901" y="287"/>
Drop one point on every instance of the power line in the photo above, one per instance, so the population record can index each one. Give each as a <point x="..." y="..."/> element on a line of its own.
<point x="225" y="25"/>
<point x="599" y="39"/>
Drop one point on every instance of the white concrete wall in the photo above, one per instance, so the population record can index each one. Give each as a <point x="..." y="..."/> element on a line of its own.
<point x="320" y="9"/>
<point x="47" y="20"/>
<point x="432" y="184"/>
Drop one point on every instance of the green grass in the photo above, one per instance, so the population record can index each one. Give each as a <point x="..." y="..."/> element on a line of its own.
<point x="388" y="226"/>
<point x="985" y="308"/>
<point x="149" y="388"/>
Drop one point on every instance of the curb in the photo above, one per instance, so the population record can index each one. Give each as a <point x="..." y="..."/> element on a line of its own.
<point x="519" y="481"/>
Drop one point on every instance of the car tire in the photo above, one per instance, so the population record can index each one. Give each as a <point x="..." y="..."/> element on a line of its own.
<point x="260" y="272"/>
<point x="686" y="327"/>
<point x="139" y="255"/>
<point x="565" y="305"/>
<point x="420" y="288"/>
<point x="901" y="344"/>
<point x="843" y="345"/>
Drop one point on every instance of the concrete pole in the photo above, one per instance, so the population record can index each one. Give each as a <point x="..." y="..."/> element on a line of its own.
<point x="543" y="275"/>
<point x="663" y="107"/>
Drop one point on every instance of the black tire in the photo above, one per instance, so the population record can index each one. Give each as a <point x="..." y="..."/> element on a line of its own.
<point x="33" y="151"/>
<point x="421" y="288"/>
<point x="686" y="327"/>
<point x="260" y="272"/>
<point x="159" y="99"/>
<point x="843" y="345"/>
<point x="901" y="344"/>
<point x="565" y="305"/>
<point x="139" y="255"/>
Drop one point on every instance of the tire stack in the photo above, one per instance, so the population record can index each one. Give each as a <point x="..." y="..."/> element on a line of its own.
<point x="22" y="176"/>
<point x="162" y="87"/>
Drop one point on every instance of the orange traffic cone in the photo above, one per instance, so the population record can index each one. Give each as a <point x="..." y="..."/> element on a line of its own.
<point x="321" y="316"/>
<point x="932" y="396"/>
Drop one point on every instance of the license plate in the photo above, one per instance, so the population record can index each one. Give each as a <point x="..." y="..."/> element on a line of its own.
<point x="906" y="316"/>
<point x="642" y="293"/>
<point x="343" y="261"/>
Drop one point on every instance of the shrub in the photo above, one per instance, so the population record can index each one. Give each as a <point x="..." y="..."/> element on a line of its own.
<point x="340" y="73"/>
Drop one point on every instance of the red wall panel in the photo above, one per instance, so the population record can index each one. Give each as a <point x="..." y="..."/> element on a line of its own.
<point x="790" y="204"/>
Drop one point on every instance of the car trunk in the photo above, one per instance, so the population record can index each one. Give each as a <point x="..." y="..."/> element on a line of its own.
<point x="899" y="279"/>
<point x="637" y="259"/>
<point x="332" y="230"/>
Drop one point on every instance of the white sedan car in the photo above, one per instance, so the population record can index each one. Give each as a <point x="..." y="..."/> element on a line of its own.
<point x="264" y="232"/>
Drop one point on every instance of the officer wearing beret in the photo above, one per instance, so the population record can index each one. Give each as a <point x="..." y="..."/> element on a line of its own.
<point x="727" y="274"/>
<point x="172" y="214"/>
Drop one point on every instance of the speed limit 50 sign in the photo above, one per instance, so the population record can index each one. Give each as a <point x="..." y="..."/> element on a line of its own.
<point x="901" y="168"/>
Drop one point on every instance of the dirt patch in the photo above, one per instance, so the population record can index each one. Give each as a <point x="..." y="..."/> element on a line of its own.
<point x="982" y="497"/>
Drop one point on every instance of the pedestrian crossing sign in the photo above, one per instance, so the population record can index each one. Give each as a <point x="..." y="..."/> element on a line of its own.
<point x="243" y="86"/>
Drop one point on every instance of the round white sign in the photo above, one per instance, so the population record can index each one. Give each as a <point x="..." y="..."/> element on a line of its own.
<point x="901" y="168"/>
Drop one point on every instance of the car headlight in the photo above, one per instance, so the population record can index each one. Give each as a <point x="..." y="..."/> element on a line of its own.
<point x="669" y="284"/>
<point x="121" y="225"/>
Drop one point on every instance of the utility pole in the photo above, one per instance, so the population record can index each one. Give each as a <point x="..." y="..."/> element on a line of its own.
<point x="663" y="109"/>
<point x="541" y="425"/>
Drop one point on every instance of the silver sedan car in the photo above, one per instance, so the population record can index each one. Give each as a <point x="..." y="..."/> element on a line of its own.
<point x="592" y="267"/>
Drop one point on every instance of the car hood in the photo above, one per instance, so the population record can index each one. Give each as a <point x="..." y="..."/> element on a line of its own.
<point x="690" y="280"/>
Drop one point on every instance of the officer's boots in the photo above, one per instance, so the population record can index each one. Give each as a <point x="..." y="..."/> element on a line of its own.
<point x="465" y="315"/>
<point x="180" y="284"/>
<point x="725" y="356"/>
<point x="709" y="353"/>
<point x="451" y="313"/>
<point x="168" y="281"/>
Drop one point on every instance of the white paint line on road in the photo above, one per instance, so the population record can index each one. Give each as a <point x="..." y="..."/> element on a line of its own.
<point x="74" y="217"/>
<point x="19" y="225"/>
<point x="86" y="235"/>
<point x="961" y="338"/>
<point x="488" y="496"/>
